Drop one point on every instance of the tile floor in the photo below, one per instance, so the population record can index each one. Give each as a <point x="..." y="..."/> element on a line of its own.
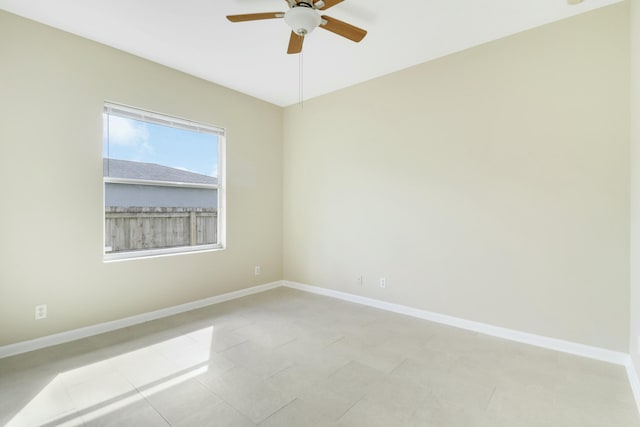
<point x="287" y="358"/>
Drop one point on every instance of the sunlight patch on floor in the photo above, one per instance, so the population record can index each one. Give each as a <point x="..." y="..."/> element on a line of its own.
<point x="97" y="389"/>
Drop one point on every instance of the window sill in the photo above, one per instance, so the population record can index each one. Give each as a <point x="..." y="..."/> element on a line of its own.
<point x="156" y="253"/>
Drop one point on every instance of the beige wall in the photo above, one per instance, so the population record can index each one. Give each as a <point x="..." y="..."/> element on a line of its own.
<point x="634" y="338"/>
<point x="52" y="88"/>
<point x="492" y="185"/>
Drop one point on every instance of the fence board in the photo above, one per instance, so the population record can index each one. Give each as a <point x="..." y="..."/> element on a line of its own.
<point x="135" y="228"/>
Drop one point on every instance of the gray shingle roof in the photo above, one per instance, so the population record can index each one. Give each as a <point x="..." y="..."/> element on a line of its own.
<point x="116" y="168"/>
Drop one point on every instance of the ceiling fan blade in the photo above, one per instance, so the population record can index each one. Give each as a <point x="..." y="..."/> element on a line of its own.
<point x="328" y="3"/>
<point x="295" y="43"/>
<point x="255" y="16"/>
<point x="343" y="29"/>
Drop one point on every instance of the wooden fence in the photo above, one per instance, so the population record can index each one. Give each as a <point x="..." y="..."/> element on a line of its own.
<point x="136" y="228"/>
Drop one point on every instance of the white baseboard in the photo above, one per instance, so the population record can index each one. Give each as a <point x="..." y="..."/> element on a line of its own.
<point x="63" y="337"/>
<point x="618" y="358"/>
<point x="597" y="353"/>
<point x="634" y="380"/>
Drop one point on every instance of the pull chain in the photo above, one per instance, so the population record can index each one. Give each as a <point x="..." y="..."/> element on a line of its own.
<point x="300" y="80"/>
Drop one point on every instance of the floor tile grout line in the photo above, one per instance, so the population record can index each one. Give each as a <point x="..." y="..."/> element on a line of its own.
<point x="280" y="410"/>
<point x="154" y="407"/>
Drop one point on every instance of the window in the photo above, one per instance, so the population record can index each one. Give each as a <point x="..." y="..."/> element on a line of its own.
<point x="163" y="184"/>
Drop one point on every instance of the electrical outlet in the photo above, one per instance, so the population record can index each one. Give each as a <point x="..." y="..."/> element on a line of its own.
<point x="41" y="311"/>
<point x="257" y="270"/>
<point x="383" y="282"/>
<point x="361" y="280"/>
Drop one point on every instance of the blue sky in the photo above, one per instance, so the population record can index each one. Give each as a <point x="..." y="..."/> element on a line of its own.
<point x="138" y="141"/>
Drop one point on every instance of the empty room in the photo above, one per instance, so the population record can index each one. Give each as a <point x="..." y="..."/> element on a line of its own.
<point x="320" y="213"/>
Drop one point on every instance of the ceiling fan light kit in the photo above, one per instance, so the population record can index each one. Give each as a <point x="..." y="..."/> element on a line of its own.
<point x="303" y="17"/>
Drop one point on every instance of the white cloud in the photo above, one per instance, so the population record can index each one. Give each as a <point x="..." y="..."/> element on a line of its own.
<point x="127" y="132"/>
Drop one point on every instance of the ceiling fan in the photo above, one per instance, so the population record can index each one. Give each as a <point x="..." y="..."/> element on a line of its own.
<point x="303" y="17"/>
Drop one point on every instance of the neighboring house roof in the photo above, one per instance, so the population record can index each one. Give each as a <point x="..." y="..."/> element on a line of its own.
<point x="116" y="168"/>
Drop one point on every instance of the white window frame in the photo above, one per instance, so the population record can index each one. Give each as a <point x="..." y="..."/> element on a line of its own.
<point x="176" y="122"/>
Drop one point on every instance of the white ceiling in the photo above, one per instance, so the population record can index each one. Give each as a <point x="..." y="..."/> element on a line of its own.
<point x="193" y="36"/>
